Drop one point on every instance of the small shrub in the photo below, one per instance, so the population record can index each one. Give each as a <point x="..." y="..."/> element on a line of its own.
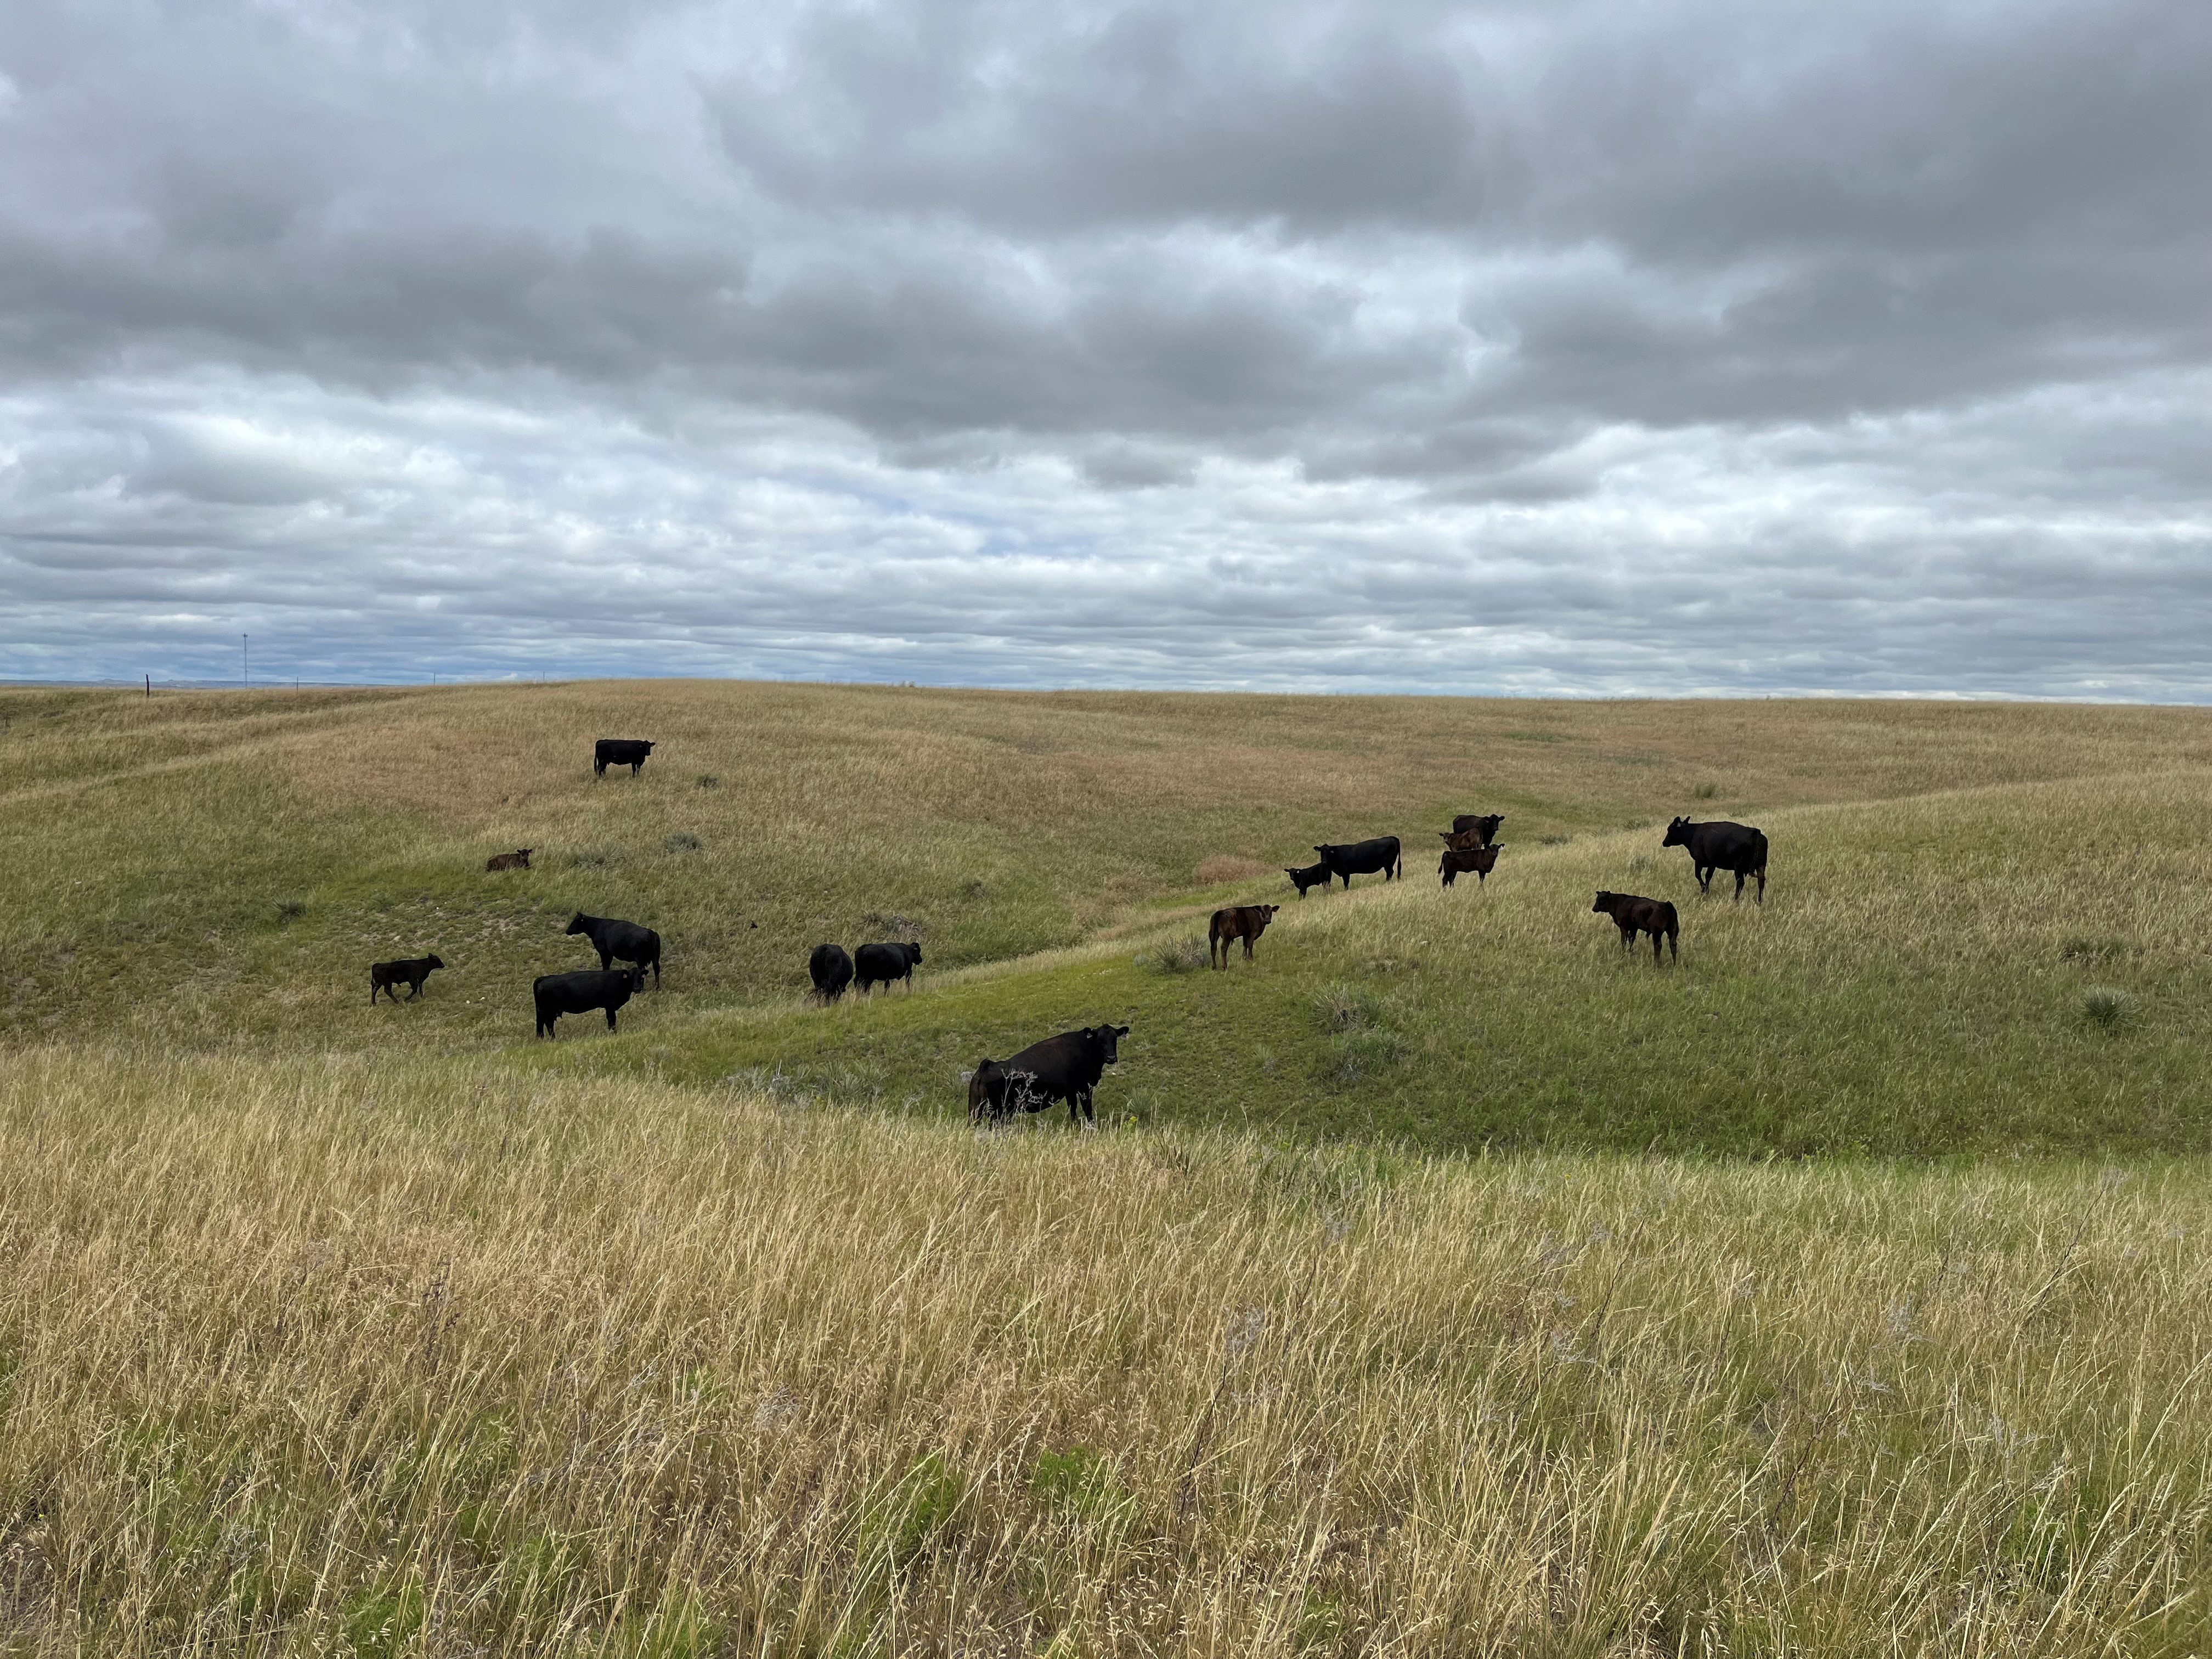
<point x="684" y="842"/>
<point x="889" y="924"/>
<point x="2103" y="1005"/>
<point x="972" y="888"/>
<point x="915" y="1511"/>
<point x="290" y="910"/>
<point x="1343" y="1007"/>
<point x="1177" y="955"/>
<point x="595" y="858"/>
<point x="1357" y="1055"/>
<point x="1705" y="792"/>
<point x="1554" y="841"/>
<point x="706" y="780"/>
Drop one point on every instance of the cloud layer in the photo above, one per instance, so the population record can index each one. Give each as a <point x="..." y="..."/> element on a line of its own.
<point x="1517" y="347"/>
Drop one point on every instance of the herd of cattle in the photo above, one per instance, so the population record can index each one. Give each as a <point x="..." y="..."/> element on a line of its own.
<point x="1067" y="1068"/>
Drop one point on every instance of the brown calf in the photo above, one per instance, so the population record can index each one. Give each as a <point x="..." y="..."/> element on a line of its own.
<point x="1244" y="922"/>
<point x="1458" y="861"/>
<point x="518" y="859"/>
<point x="1632" y="915"/>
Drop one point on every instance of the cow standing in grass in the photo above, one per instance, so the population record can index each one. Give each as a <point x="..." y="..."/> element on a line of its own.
<point x="1313" y="875"/>
<point x="1484" y="829"/>
<point x="556" y="994"/>
<point x="1457" y="862"/>
<point x="1633" y="915"/>
<point x="885" y="965"/>
<point x="410" y="972"/>
<point x="619" y="751"/>
<point x="1362" y="858"/>
<point x="614" y="938"/>
<point x="1064" y="1068"/>
<point x="1719" y="845"/>
<point x="830" y="967"/>
<point x="1244" y="922"/>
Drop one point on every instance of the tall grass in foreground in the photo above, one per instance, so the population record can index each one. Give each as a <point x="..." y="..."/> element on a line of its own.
<point x="322" y="1357"/>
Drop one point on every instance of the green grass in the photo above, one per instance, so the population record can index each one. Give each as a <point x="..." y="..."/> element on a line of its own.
<point x="219" y="871"/>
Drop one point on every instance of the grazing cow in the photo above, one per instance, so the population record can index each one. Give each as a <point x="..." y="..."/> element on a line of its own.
<point x="383" y="976"/>
<point x="1064" y="1068"/>
<point x="830" y="969"/>
<point x="626" y="939"/>
<point x="986" y="1092"/>
<point x="880" y="964"/>
<point x="619" y="751"/>
<point x="579" y="993"/>
<point x="1317" y="875"/>
<point x="1486" y="828"/>
<point x="1459" y="860"/>
<point x="518" y="859"/>
<point x="1244" y="922"/>
<point x="1362" y="858"/>
<point x="1719" y="845"/>
<point x="1632" y="915"/>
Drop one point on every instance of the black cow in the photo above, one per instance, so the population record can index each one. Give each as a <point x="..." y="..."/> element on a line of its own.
<point x="1362" y="858"/>
<point x="1317" y="875"/>
<point x="880" y="964"/>
<point x="830" y="969"/>
<point x="1485" y="826"/>
<point x="1064" y="1068"/>
<point x="1459" y="860"/>
<point x="518" y="859"/>
<point x="619" y="751"/>
<point x="1244" y="922"/>
<point x="624" y="939"/>
<point x="1632" y="914"/>
<point x="579" y="993"/>
<point x="383" y="976"/>
<point x="1719" y="845"/>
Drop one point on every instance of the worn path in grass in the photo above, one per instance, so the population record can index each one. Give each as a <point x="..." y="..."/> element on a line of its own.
<point x="217" y="870"/>
<point x="1918" y="982"/>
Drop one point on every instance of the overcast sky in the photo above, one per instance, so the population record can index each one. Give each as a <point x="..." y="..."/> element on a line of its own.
<point x="1535" y="346"/>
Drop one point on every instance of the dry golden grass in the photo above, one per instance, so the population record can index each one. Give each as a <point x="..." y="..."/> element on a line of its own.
<point x="340" y="1358"/>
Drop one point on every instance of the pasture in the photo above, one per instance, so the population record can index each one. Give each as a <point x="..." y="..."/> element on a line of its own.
<point x="1441" y="1281"/>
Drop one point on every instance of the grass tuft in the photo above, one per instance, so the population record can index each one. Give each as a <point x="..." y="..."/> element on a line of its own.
<point x="1175" y="956"/>
<point x="289" y="910"/>
<point x="2107" y="1006"/>
<point x="683" y="840"/>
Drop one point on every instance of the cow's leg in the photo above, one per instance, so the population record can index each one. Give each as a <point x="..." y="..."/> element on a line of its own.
<point x="1674" y="944"/>
<point x="656" y="973"/>
<point x="1248" y="947"/>
<point x="1761" y="899"/>
<point x="414" y="989"/>
<point x="606" y="960"/>
<point x="1739" y="887"/>
<point x="610" y="1019"/>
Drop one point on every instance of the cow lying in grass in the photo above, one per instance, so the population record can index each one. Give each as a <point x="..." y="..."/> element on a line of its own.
<point x="1633" y="915"/>
<point x="518" y="859"/>
<point x="1457" y="862"/>
<point x="1244" y="922"/>
<point x="579" y="993"/>
<point x="1064" y="1068"/>
<point x="383" y="976"/>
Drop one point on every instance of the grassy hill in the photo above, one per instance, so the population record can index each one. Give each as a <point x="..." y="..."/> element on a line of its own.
<point x="216" y="870"/>
<point x="1436" y="1288"/>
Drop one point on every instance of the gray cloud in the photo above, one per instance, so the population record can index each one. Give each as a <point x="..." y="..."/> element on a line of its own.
<point x="1563" y="348"/>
